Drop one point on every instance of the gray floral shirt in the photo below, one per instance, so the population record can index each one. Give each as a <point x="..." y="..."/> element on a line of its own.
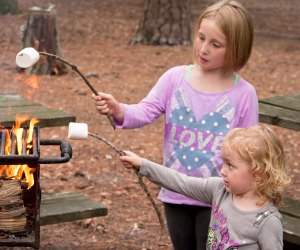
<point x="230" y="227"/>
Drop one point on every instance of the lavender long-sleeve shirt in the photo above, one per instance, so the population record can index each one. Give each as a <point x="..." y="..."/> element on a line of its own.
<point x="195" y="124"/>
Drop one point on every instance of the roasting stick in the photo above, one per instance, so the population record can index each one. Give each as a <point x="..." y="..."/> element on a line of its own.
<point x="140" y="179"/>
<point x="29" y="56"/>
<point x="79" y="131"/>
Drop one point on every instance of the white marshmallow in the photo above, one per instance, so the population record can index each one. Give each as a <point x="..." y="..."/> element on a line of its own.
<point x="78" y="131"/>
<point x="27" y="57"/>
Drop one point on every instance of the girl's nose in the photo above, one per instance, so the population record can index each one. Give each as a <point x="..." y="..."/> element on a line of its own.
<point x="223" y="171"/>
<point x="204" y="49"/>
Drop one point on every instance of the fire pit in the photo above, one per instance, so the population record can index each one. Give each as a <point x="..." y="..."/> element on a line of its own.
<point x="20" y="193"/>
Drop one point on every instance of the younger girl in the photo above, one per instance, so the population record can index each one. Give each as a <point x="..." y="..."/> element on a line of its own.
<point x="244" y="213"/>
<point x="201" y="103"/>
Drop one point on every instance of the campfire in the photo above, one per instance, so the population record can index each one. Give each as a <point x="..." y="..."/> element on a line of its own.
<point x="18" y="142"/>
<point x="20" y="192"/>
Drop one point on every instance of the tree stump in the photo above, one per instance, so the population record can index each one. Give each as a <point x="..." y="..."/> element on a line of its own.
<point x="165" y="22"/>
<point x="41" y="33"/>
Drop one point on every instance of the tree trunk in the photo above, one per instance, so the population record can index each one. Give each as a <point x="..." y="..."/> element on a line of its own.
<point x="41" y="33"/>
<point x="165" y="22"/>
<point x="9" y="6"/>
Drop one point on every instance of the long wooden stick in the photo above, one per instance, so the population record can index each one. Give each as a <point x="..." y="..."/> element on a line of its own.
<point x="140" y="179"/>
<point x="75" y="68"/>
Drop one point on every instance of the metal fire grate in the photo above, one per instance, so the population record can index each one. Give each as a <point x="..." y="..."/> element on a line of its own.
<point x="31" y="197"/>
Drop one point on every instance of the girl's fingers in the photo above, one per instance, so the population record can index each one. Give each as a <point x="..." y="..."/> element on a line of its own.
<point x="103" y="109"/>
<point x="127" y="164"/>
<point x="104" y="96"/>
<point x="128" y="153"/>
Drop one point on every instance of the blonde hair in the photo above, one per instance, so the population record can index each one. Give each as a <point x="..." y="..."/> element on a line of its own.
<point x="236" y="24"/>
<point x="261" y="149"/>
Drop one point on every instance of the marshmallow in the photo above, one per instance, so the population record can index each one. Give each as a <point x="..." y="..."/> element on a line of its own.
<point x="78" y="131"/>
<point x="27" y="57"/>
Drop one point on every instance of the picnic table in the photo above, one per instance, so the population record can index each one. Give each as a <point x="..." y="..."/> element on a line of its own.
<point x="11" y="104"/>
<point x="284" y="111"/>
<point x="55" y="207"/>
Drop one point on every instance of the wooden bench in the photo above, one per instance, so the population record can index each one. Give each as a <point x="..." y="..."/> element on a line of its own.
<point x="55" y="207"/>
<point x="291" y="223"/>
<point x="68" y="206"/>
<point x="284" y="111"/>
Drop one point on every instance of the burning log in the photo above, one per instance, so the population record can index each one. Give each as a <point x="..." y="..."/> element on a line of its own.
<point x="12" y="209"/>
<point x="20" y="191"/>
<point x="79" y="131"/>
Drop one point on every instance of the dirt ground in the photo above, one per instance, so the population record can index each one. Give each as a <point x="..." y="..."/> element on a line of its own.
<point x="94" y="35"/>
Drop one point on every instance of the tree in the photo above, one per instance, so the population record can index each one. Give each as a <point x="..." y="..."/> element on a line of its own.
<point x="165" y="22"/>
<point x="9" y="6"/>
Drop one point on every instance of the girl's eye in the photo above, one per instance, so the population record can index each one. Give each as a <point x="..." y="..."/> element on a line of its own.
<point x="230" y="167"/>
<point x="216" y="45"/>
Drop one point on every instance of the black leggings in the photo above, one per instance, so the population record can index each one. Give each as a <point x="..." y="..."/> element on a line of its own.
<point x="188" y="226"/>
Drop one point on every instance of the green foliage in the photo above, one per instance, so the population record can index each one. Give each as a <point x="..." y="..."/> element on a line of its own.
<point x="9" y="6"/>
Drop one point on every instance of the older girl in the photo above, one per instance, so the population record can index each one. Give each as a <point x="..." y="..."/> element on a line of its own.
<point x="201" y="103"/>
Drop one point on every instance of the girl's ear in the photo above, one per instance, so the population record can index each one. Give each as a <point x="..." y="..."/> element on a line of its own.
<point x="258" y="177"/>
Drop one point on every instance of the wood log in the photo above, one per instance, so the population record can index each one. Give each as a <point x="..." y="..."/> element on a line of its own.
<point x="12" y="209"/>
<point x="41" y="33"/>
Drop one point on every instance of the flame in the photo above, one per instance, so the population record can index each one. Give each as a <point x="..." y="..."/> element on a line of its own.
<point x="21" y="172"/>
<point x="32" y="82"/>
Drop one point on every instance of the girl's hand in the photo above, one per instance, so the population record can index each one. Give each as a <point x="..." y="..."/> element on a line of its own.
<point x="105" y="103"/>
<point x="131" y="160"/>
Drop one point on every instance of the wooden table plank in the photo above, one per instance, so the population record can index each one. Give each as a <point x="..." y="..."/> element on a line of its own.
<point x="291" y="229"/>
<point x="48" y="117"/>
<point x="291" y="207"/>
<point x="67" y="207"/>
<point x="282" y="111"/>
<point x="279" y="116"/>
<point x="14" y="100"/>
<point x="290" y="102"/>
<point x="11" y="104"/>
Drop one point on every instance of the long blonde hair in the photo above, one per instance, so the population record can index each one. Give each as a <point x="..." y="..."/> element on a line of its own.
<point x="262" y="150"/>
<point x="236" y="24"/>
